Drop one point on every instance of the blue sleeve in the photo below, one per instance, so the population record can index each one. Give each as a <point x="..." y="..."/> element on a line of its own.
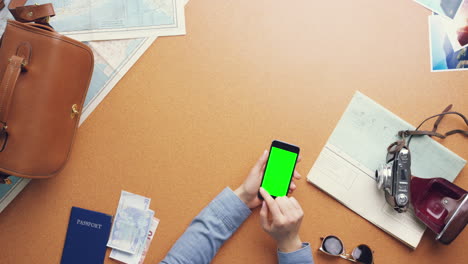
<point x="300" y="256"/>
<point x="208" y="231"/>
<point x="214" y="225"/>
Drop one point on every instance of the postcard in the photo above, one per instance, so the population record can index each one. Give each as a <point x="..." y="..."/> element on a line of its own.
<point x="447" y="8"/>
<point x="443" y="55"/>
<point x="457" y="29"/>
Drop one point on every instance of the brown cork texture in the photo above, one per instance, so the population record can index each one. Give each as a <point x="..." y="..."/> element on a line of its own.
<point x="196" y="111"/>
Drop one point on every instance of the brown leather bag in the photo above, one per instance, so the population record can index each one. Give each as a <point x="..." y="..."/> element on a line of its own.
<point x="44" y="80"/>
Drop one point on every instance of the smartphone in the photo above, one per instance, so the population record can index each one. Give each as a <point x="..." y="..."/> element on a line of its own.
<point x="279" y="168"/>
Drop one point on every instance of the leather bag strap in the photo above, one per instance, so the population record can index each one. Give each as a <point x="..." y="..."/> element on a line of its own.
<point x="31" y="13"/>
<point x="7" y="88"/>
<point x="8" y="84"/>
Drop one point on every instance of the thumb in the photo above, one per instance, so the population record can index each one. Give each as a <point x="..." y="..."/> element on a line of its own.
<point x="264" y="217"/>
<point x="261" y="161"/>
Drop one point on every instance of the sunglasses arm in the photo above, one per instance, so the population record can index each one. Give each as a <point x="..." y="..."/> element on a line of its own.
<point x="348" y="257"/>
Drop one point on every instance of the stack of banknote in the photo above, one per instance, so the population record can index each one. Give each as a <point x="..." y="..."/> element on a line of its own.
<point x="133" y="229"/>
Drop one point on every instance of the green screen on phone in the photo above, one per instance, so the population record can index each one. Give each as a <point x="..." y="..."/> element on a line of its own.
<point x="278" y="171"/>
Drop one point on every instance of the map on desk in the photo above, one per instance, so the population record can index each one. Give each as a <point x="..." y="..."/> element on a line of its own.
<point x="114" y="19"/>
<point x="112" y="59"/>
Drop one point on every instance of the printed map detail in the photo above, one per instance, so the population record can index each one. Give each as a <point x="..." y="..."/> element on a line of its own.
<point x="112" y="59"/>
<point x="88" y="20"/>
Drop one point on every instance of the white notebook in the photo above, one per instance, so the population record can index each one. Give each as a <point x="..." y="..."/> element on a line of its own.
<point x="345" y="168"/>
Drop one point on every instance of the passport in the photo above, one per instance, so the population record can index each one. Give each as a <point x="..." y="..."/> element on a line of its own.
<point x="87" y="235"/>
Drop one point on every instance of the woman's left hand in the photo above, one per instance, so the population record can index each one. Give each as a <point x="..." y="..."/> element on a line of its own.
<point x="248" y="191"/>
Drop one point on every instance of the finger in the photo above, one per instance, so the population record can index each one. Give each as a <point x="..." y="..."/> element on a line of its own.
<point x="285" y="205"/>
<point x="272" y="205"/>
<point x="264" y="217"/>
<point x="295" y="212"/>
<point x="299" y="159"/>
<point x="298" y="209"/>
<point x="296" y="204"/>
<point x="261" y="161"/>
<point x="297" y="175"/>
<point x="292" y="186"/>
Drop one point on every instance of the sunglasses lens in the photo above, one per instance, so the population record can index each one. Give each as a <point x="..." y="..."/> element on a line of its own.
<point x="363" y="254"/>
<point x="332" y="245"/>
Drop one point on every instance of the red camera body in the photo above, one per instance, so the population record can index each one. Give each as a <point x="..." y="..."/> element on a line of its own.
<point x="440" y="205"/>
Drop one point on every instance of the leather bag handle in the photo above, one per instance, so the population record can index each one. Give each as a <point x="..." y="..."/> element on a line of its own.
<point x="31" y="13"/>
<point x="7" y="88"/>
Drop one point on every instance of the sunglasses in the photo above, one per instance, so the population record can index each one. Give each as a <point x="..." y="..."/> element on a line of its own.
<point x="333" y="246"/>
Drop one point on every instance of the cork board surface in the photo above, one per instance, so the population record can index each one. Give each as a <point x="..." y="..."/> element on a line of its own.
<point x="196" y="111"/>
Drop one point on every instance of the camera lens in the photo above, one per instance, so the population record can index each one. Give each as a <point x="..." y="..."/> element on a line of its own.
<point x="381" y="175"/>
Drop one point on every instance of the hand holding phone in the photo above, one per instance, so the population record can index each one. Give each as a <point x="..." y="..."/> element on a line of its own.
<point x="279" y="168"/>
<point x="248" y="190"/>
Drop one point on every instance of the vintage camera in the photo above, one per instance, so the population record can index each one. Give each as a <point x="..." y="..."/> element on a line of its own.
<point x="394" y="177"/>
<point x="438" y="203"/>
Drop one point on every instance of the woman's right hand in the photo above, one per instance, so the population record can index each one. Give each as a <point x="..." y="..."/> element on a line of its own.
<point x="285" y="220"/>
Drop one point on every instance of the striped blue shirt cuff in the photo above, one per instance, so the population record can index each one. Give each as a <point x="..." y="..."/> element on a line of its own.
<point x="228" y="207"/>
<point x="300" y="256"/>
